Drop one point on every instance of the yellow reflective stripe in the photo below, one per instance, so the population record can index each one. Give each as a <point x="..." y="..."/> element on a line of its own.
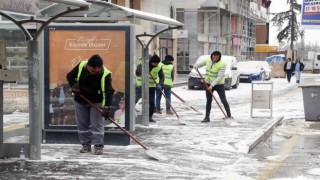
<point x="105" y="73"/>
<point x="139" y="80"/>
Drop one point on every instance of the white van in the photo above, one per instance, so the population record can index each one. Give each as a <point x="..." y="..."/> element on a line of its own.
<point x="232" y="74"/>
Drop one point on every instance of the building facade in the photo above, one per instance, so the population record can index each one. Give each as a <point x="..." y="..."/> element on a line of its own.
<point x="233" y="27"/>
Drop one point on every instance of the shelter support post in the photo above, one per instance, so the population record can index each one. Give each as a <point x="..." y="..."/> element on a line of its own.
<point x="145" y="73"/>
<point x="35" y="102"/>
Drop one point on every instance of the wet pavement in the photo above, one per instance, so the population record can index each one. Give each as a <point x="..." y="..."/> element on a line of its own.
<point x="291" y="152"/>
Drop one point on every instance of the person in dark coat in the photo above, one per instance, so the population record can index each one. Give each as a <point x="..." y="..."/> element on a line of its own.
<point x="288" y="68"/>
<point x="93" y="81"/>
<point x="156" y="71"/>
<point x="168" y="71"/>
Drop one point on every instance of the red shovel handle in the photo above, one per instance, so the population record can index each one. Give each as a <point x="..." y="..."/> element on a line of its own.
<point x="207" y="88"/>
<point x="113" y="121"/>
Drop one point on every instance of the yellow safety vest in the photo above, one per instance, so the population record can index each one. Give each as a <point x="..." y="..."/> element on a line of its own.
<point x="105" y="73"/>
<point x="167" y="71"/>
<point x="212" y="72"/>
<point x="154" y="72"/>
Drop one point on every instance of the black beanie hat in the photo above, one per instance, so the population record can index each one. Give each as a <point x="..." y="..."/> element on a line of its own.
<point x="216" y="53"/>
<point x="169" y="58"/>
<point x="95" y="61"/>
<point x="155" y="59"/>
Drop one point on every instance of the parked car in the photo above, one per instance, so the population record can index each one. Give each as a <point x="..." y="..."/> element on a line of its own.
<point x="251" y="71"/>
<point x="231" y="74"/>
<point x="267" y="69"/>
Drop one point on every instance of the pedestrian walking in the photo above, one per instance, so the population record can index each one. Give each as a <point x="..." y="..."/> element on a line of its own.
<point x="299" y="66"/>
<point x="215" y="70"/>
<point x="93" y="81"/>
<point x="288" y="69"/>
<point x="168" y="71"/>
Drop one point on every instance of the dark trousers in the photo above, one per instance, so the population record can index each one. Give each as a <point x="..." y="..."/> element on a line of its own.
<point x="222" y="95"/>
<point x="167" y="93"/>
<point x="152" y="97"/>
<point x="289" y="75"/>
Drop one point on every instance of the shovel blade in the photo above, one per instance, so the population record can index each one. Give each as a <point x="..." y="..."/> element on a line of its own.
<point x="155" y="155"/>
<point x="228" y="121"/>
<point x="181" y="122"/>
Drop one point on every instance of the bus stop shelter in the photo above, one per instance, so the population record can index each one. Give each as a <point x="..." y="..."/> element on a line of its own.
<point x="72" y="11"/>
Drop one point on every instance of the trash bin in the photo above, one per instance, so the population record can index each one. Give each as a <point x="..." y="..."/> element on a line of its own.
<point x="311" y="102"/>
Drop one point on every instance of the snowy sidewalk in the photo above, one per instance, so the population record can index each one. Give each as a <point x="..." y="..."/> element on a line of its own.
<point x="195" y="151"/>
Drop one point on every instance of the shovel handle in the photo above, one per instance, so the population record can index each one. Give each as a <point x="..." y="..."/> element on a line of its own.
<point x="183" y="101"/>
<point x="113" y="121"/>
<point x="207" y="88"/>
<point x="164" y="96"/>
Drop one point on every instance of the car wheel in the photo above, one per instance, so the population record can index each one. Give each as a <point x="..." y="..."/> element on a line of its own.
<point x="263" y="77"/>
<point x="228" y="86"/>
<point x="190" y="87"/>
<point x="237" y="83"/>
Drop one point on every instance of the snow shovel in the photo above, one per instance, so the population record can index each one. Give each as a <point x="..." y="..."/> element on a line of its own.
<point x="152" y="154"/>
<point x="207" y="88"/>
<point x="180" y="122"/>
<point x="186" y="103"/>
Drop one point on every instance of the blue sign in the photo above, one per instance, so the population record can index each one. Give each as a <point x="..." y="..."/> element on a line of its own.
<point x="310" y="17"/>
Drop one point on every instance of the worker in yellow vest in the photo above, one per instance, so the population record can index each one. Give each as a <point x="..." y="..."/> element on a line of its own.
<point x="156" y="72"/>
<point x="168" y="71"/>
<point x="215" y="77"/>
<point x="93" y="81"/>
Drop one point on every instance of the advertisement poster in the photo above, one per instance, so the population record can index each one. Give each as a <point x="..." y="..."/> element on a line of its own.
<point x="67" y="47"/>
<point x="310" y="18"/>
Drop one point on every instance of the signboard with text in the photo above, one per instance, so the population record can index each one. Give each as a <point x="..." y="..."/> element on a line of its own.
<point x="310" y="18"/>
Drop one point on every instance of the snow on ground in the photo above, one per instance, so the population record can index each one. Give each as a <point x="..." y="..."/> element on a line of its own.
<point x="195" y="151"/>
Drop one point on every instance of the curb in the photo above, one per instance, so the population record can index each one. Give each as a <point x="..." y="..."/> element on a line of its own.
<point x="260" y="135"/>
<point x="15" y="127"/>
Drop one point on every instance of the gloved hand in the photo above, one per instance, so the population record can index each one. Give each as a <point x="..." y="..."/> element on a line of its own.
<point x="195" y="66"/>
<point x="105" y="111"/>
<point x="159" y="87"/>
<point x="75" y="89"/>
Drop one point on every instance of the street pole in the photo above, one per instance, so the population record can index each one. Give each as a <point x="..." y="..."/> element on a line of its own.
<point x="292" y="31"/>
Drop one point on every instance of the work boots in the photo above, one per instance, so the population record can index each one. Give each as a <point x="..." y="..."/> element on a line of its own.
<point x="206" y="119"/>
<point x="98" y="149"/>
<point x="298" y="81"/>
<point x="158" y="111"/>
<point x="169" y="112"/>
<point x="85" y="148"/>
<point x="152" y="120"/>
